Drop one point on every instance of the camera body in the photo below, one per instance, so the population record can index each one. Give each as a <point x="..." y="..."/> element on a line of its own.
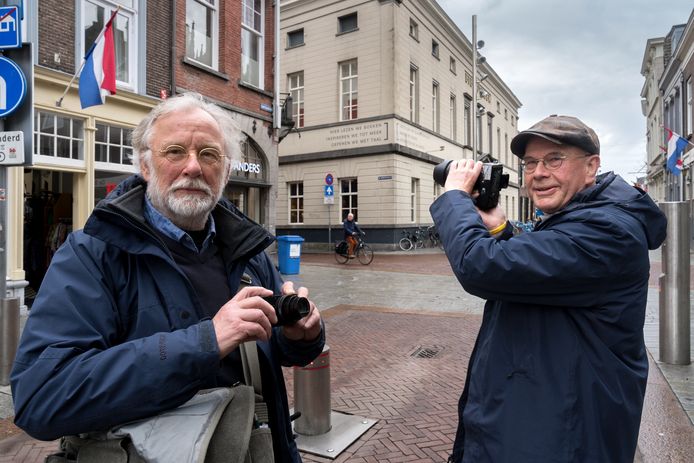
<point x="489" y="183"/>
<point x="289" y="308"/>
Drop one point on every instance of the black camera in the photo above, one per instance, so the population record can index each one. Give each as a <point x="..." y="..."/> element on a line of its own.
<point x="289" y="308"/>
<point x="489" y="183"/>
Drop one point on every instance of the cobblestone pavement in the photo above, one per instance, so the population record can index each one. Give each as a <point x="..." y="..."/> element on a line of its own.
<point x="376" y="316"/>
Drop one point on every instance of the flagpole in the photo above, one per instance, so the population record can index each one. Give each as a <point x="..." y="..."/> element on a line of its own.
<point x="59" y="102"/>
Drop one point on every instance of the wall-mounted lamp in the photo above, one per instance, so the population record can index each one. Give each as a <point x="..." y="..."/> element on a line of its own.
<point x="480" y="44"/>
<point x="484" y="93"/>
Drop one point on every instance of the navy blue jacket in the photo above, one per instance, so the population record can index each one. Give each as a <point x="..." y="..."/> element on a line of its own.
<point x="558" y="371"/>
<point x="351" y="228"/>
<point x="117" y="334"/>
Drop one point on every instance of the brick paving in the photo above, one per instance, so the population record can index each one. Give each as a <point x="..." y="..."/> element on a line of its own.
<point x="414" y="399"/>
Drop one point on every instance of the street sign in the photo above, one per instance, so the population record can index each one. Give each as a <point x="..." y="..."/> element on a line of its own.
<point x="328" y="190"/>
<point x="328" y="199"/>
<point x="11" y="148"/>
<point x="13" y="86"/>
<point x="10" y="27"/>
<point x="329" y="179"/>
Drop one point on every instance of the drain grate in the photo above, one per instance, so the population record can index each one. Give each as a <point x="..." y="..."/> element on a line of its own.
<point x="428" y="352"/>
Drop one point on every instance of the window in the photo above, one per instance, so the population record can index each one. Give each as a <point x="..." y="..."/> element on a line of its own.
<point x="506" y="150"/>
<point x="435" y="48"/>
<point x="112" y="146"/>
<point x="490" y="134"/>
<point x="467" y="116"/>
<point x="95" y="13"/>
<point x="453" y="118"/>
<point x="296" y="90"/>
<point x="498" y="143"/>
<point x="480" y="114"/>
<point x="414" y="189"/>
<point x="414" y="94"/>
<point x="498" y="107"/>
<point x="296" y="202"/>
<point x="58" y="136"/>
<point x="435" y="106"/>
<point x="295" y="38"/>
<point x="252" y="43"/>
<point x="505" y="114"/>
<point x="347" y="23"/>
<point x="690" y="107"/>
<point x="452" y="65"/>
<point x="252" y="163"/>
<point x="437" y="191"/>
<point x="414" y="29"/>
<point x="348" y="195"/>
<point x="202" y="40"/>
<point x="348" y="90"/>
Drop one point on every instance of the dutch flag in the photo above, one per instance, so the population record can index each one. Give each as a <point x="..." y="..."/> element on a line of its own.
<point x="98" y="76"/>
<point x="675" y="146"/>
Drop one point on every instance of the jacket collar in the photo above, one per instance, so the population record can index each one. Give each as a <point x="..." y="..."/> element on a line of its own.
<point x="124" y="208"/>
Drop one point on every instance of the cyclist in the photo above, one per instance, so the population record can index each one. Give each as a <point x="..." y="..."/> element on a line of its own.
<point x="351" y="230"/>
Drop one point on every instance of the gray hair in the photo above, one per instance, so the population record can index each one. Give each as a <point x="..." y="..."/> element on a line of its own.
<point x="231" y="132"/>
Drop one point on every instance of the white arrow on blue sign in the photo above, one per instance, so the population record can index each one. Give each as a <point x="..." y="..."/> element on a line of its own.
<point x="328" y="190"/>
<point x="10" y="27"/>
<point x="13" y="86"/>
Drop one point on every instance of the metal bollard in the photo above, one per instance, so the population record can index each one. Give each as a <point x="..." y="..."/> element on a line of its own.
<point x="9" y="328"/>
<point x="674" y="286"/>
<point x="312" y="396"/>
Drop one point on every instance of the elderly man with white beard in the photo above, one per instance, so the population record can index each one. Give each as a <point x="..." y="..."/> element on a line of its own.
<point x="141" y="309"/>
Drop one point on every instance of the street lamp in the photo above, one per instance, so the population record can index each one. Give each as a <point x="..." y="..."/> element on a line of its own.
<point x="476" y="45"/>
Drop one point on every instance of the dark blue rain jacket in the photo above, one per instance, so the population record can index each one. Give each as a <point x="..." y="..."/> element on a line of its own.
<point x="117" y="334"/>
<point x="558" y="372"/>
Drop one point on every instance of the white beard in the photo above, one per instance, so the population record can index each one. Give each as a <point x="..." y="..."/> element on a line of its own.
<point x="188" y="212"/>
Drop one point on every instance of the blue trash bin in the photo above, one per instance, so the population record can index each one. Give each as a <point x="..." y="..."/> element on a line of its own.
<point x="289" y="253"/>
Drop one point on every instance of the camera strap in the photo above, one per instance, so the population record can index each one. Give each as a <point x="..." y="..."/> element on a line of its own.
<point x="249" y="352"/>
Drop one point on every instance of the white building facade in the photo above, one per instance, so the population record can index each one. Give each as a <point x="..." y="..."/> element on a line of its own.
<point x="381" y="93"/>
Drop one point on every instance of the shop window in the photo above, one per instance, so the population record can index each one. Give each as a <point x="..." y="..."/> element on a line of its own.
<point x="58" y="139"/>
<point x="251" y="166"/>
<point x="112" y="146"/>
<point x="296" y="202"/>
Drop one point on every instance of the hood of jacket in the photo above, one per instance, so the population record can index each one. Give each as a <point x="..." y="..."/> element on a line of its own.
<point x="611" y="190"/>
<point x="119" y="220"/>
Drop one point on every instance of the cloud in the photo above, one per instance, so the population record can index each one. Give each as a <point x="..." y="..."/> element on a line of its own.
<point x="581" y="58"/>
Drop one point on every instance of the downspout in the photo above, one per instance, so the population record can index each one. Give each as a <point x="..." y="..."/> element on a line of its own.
<point x="277" y="110"/>
<point x="173" y="48"/>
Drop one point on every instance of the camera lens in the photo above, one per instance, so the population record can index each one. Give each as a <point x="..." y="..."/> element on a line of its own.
<point x="441" y="172"/>
<point x="289" y="308"/>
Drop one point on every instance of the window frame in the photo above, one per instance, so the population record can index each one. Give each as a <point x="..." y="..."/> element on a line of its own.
<point x="126" y="151"/>
<point x="349" y="195"/>
<point x="452" y="66"/>
<point x="435" y="48"/>
<point x="300" y="201"/>
<point x="435" y="106"/>
<point x="259" y="34"/>
<point x="294" y="45"/>
<point x="414" y="29"/>
<point x="297" y="94"/>
<point x="414" y="200"/>
<point x="353" y="93"/>
<point x="210" y="6"/>
<point x="131" y="15"/>
<point x="453" y="115"/>
<point x="342" y="23"/>
<point x="54" y="159"/>
<point x="414" y="93"/>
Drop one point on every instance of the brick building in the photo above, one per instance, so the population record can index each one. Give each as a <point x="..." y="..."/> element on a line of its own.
<point x="223" y="50"/>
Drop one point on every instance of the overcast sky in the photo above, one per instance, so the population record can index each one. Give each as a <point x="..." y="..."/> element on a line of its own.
<point x="580" y="57"/>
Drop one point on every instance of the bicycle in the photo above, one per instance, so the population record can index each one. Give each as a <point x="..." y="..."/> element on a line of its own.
<point x="412" y="239"/>
<point x="362" y="251"/>
<point x="433" y="238"/>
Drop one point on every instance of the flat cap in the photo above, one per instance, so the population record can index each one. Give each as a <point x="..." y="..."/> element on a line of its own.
<point x="562" y="130"/>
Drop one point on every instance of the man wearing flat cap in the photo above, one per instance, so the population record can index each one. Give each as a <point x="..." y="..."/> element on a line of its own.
<point x="559" y="368"/>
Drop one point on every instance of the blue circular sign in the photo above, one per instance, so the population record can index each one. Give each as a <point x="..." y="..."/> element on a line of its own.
<point x="13" y="86"/>
<point x="329" y="179"/>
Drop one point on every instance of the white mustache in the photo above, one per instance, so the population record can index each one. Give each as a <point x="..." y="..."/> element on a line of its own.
<point x="195" y="184"/>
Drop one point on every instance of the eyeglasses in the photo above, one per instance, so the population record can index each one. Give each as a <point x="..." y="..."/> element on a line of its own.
<point x="176" y="154"/>
<point x="550" y="162"/>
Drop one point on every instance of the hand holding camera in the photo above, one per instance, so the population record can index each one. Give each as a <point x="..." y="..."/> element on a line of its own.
<point x="489" y="183"/>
